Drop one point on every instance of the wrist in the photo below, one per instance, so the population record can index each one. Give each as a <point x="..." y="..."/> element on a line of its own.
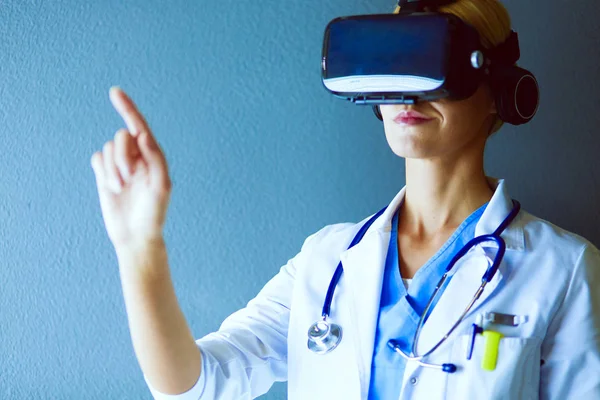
<point x="143" y="257"/>
<point x="137" y="248"/>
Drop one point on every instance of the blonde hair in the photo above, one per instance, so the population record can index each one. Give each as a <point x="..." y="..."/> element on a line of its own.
<point x="491" y="20"/>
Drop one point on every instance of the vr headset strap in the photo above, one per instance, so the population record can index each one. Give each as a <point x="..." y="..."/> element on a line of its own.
<point x="414" y="6"/>
<point x="506" y="53"/>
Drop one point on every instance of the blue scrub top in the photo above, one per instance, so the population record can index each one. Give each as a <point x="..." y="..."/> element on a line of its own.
<point x="399" y="309"/>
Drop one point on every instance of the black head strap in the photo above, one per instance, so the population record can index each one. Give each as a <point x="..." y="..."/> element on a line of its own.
<point x="413" y="6"/>
<point x="506" y="53"/>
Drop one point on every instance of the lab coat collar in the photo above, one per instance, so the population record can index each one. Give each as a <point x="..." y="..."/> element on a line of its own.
<point x="497" y="210"/>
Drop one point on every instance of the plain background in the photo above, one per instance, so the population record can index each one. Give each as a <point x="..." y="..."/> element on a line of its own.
<point x="261" y="156"/>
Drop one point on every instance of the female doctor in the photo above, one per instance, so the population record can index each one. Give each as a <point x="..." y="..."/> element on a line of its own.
<point x="532" y="332"/>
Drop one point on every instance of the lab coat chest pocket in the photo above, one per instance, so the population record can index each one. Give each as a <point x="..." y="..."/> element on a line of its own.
<point x="515" y="377"/>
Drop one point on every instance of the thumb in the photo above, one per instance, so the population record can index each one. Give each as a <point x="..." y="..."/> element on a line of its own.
<point x="155" y="160"/>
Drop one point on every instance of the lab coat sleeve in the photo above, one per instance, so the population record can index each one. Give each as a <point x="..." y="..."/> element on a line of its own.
<point x="571" y="349"/>
<point x="248" y="353"/>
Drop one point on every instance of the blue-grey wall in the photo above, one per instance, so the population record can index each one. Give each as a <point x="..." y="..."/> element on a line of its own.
<point x="260" y="155"/>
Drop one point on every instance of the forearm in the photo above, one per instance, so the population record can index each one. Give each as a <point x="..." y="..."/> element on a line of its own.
<point x="162" y="340"/>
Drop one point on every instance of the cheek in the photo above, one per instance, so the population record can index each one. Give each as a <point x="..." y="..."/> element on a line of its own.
<point x="456" y="119"/>
<point x="467" y="115"/>
<point x="462" y="127"/>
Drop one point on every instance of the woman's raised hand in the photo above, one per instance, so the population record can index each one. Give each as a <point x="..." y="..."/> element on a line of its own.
<point x="132" y="179"/>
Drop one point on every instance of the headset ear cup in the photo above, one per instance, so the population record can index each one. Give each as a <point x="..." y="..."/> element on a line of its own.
<point x="377" y="112"/>
<point x="516" y="93"/>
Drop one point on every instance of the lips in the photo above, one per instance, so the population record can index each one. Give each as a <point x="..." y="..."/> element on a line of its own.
<point x="411" y="117"/>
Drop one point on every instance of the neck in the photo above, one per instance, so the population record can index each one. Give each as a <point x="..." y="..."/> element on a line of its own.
<point x="441" y="195"/>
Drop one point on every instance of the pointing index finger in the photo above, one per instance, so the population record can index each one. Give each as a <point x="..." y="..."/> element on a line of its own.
<point x="126" y="108"/>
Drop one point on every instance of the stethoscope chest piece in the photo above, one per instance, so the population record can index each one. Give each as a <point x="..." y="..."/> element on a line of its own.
<point x="323" y="337"/>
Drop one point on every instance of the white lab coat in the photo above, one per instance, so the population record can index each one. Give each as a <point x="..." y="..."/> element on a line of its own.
<point x="549" y="277"/>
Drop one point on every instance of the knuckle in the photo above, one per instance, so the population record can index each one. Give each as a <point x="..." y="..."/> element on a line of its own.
<point x="108" y="147"/>
<point x="122" y="164"/>
<point x="119" y="163"/>
<point x="121" y="134"/>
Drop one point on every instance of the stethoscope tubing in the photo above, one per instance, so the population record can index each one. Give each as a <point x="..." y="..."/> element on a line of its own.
<point x="338" y="271"/>
<point x="486" y="278"/>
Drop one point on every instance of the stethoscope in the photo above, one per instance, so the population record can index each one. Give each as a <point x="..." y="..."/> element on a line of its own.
<point x="324" y="336"/>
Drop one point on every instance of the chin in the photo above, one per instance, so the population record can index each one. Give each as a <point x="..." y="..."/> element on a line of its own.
<point x="413" y="153"/>
<point x="412" y="141"/>
<point x="413" y="149"/>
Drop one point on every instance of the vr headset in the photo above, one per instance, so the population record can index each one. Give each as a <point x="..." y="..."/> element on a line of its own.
<point x="420" y="55"/>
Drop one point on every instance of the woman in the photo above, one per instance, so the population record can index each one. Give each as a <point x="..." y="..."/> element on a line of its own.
<point x="544" y="286"/>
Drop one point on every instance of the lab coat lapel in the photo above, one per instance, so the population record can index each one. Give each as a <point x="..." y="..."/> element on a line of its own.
<point x="469" y="270"/>
<point x="363" y="269"/>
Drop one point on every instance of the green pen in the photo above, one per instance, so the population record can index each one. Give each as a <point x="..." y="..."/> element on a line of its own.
<point x="492" y="344"/>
